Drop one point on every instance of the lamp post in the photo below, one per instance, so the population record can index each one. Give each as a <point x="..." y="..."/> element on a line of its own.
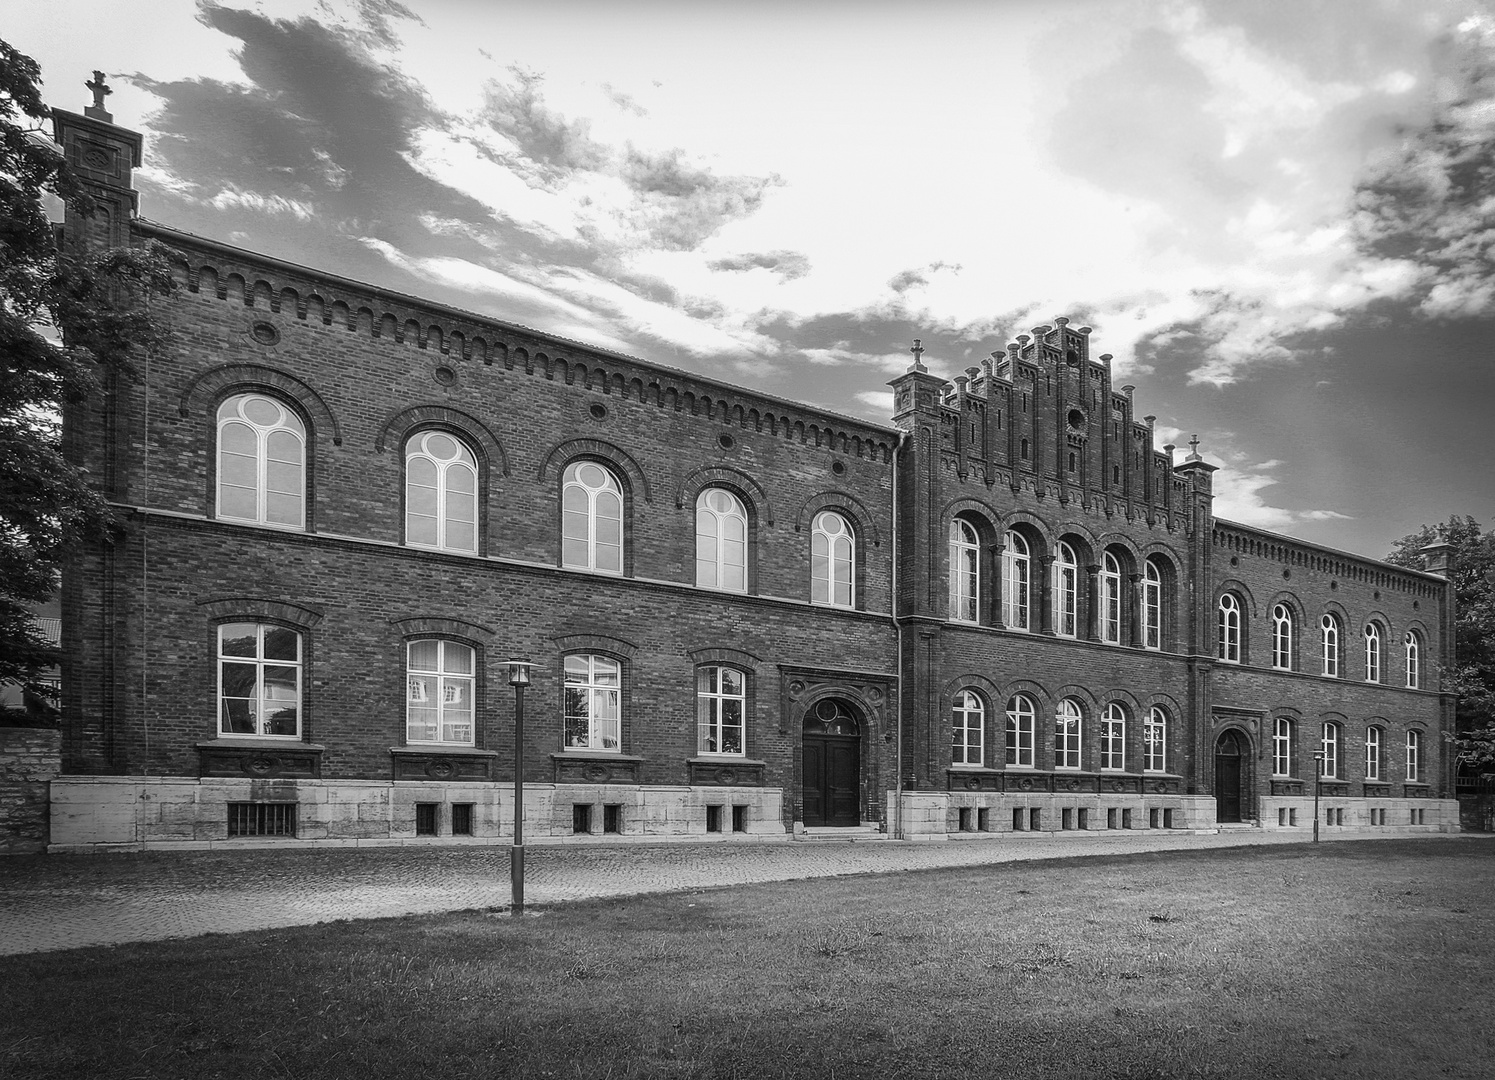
<point x="1318" y="778"/>
<point x="518" y="679"/>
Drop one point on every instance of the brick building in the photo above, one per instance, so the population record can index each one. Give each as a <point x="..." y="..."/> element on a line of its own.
<point x="346" y="508"/>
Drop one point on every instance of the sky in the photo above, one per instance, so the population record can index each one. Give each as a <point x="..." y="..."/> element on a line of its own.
<point x="1278" y="215"/>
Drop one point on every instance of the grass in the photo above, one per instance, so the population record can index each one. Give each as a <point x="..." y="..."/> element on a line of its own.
<point x="1368" y="960"/>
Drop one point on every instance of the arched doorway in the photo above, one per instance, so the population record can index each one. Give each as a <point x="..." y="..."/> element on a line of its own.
<point x="1230" y="758"/>
<point x="831" y="788"/>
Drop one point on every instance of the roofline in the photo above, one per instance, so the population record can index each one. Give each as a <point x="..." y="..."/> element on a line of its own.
<point x="166" y="232"/>
<point x="1334" y="551"/>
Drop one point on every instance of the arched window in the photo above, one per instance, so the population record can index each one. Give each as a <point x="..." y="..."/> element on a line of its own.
<point x="261" y="462"/>
<point x="1329" y="636"/>
<point x="1372" y="652"/>
<point x="1155" y="740"/>
<point x="1330" y="746"/>
<point x="1230" y="629"/>
<point x="721" y="541"/>
<point x="1021" y="714"/>
<point x="591" y="518"/>
<point x="259" y="680"/>
<point x="593" y="709"/>
<point x="721" y="708"/>
<point x="1110" y="599"/>
<point x="1373" y="753"/>
<point x="1282" y="747"/>
<point x="1016" y="578"/>
<point x="832" y="560"/>
<point x="1067" y="722"/>
<point x="1066" y="574"/>
<point x="1414" y="756"/>
<point x="1414" y="660"/>
<point x="1152" y="605"/>
<point x="967" y="727"/>
<point x="965" y="571"/>
<point x="441" y="493"/>
<point x="1282" y="637"/>
<point x="1113" y="737"/>
<point x="438" y="692"/>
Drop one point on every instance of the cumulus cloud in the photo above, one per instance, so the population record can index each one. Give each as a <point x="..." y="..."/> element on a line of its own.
<point x="787" y="264"/>
<point x="1240" y="487"/>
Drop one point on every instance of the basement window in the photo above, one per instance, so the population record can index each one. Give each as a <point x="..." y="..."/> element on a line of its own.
<point x="261" y="819"/>
<point x="426" y="816"/>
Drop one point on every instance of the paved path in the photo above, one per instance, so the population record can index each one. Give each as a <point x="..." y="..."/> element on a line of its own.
<point x="65" y="901"/>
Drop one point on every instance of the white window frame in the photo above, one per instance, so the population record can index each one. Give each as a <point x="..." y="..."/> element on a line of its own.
<point x="232" y="412"/>
<point x="1329" y="744"/>
<point x="1017" y="581"/>
<point x="1229" y="629"/>
<point x="585" y="524"/>
<point x="1373" y="652"/>
<point x="1282" y="637"/>
<point x="833" y="560"/>
<point x="1372" y="752"/>
<point x="1329" y="638"/>
<point x="1152" y="605"/>
<point x="266" y="691"/>
<point x="447" y="496"/>
<point x="1066" y="591"/>
<point x="1113" y="738"/>
<point x="1109" y="622"/>
<point x="1282" y="747"/>
<point x="965" y="572"/>
<point x="587" y="682"/>
<point x="1414" y="756"/>
<point x="721" y="557"/>
<point x="1022" y="719"/>
<point x="968" y="731"/>
<point x="715" y="702"/>
<point x="440" y="686"/>
<point x="1069" y="731"/>
<point x="1155" y="740"/>
<point x="1414" y="660"/>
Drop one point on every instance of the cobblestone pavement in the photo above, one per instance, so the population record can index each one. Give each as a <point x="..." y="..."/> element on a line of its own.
<point x="66" y="901"/>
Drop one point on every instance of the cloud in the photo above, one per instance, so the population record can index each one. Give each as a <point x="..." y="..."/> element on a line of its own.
<point x="787" y="264"/>
<point x="624" y="101"/>
<point x="1239" y="484"/>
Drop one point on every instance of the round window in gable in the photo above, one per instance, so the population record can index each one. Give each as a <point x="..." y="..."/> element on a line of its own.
<point x="839" y="468"/>
<point x="598" y="411"/>
<point x="265" y="333"/>
<point x="725" y="441"/>
<point x="1076" y="420"/>
<point x="445" y="376"/>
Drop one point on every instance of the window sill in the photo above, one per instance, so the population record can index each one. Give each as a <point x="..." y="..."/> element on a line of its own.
<point x="442" y="762"/>
<point x="442" y="748"/>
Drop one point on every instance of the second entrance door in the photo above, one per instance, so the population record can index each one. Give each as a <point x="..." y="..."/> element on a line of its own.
<point x="830" y="791"/>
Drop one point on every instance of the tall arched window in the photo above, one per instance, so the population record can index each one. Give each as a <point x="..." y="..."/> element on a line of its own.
<point x="1330" y="746"/>
<point x="1067" y="734"/>
<point x="1110" y="599"/>
<point x="965" y="571"/>
<point x="1282" y="637"/>
<point x="591" y="518"/>
<point x="441" y="493"/>
<point x="1230" y="629"/>
<point x="1372" y="652"/>
<point x="967" y="727"/>
<point x="1016" y="578"/>
<point x="832" y="560"/>
<point x="1373" y="753"/>
<point x="1066" y="574"/>
<point x="1329" y="638"/>
<point x="1414" y="756"/>
<point x="1282" y="747"/>
<point x="1155" y="740"/>
<point x="1152" y="605"/>
<point x="438" y="692"/>
<point x="1113" y="737"/>
<point x="593" y="709"/>
<point x="721" y="541"/>
<point x="261" y="462"/>
<point x="1021" y="715"/>
<point x="1414" y="660"/>
<point x="721" y="706"/>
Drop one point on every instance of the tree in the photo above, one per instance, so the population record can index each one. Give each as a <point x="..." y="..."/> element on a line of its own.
<point x="1472" y="677"/>
<point x="67" y="319"/>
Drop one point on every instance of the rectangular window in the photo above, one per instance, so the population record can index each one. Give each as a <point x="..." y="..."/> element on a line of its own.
<point x="713" y="819"/>
<point x="581" y="817"/>
<point x="1373" y="753"/>
<point x="439" y="692"/>
<point x="1330" y="746"/>
<point x="592" y="707"/>
<point x="1167" y="819"/>
<point x="1414" y="756"/>
<point x="739" y="819"/>
<point x="612" y="818"/>
<point x="462" y="819"/>
<point x="1282" y="748"/>
<point x="261" y="819"/>
<point x="425" y="818"/>
<point x="721" y="708"/>
<point x="259" y="680"/>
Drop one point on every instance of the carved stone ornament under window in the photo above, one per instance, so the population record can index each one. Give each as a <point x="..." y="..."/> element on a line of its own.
<point x="265" y="333"/>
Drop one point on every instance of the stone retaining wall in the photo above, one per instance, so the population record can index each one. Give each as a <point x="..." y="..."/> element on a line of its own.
<point x="29" y="759"/>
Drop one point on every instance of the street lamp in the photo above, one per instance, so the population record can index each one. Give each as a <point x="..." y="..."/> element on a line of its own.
<point x="518" y="679"/>
<point x="1318" y="778"/>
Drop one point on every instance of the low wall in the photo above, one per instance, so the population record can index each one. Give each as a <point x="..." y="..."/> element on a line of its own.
<point x="958" y="815"/>
<point x="29" y="760"/>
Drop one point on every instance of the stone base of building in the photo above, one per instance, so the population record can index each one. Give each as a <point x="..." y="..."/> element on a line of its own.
<point x="1338" y="815"/>
<point x="954" y="815"/>
<point x="100" y="813"/>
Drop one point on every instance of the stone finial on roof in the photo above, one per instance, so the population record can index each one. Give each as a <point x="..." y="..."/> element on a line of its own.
<point x="100" y="90"/>
<point x="1194" y="450"/>
<point x="918" y="351"/>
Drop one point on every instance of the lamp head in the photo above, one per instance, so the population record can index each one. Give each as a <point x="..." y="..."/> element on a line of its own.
<point x="519" y="671"/>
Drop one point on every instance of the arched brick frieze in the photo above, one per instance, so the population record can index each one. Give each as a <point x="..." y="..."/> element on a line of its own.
<point x="724" y="654"/>
<point x="739" y="482"/>
<point x="207" y="389"/>
<point x="444" y="626"/>
<point x="628" y="469"/>
<point x="401" y="422"/>
<point x="225" y="608"/>
<point x="595" y="642"/>
<point x="844" y="503"/>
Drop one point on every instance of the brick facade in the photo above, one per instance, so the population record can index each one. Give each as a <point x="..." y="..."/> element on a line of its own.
<point x="1036" y="444"/>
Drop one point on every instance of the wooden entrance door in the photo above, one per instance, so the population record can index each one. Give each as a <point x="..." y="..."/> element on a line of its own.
<point x="1228" y="758"/>
<point x="831" y="789"/>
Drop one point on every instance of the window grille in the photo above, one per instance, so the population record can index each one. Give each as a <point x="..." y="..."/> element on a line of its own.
<point x="261" y="819"/>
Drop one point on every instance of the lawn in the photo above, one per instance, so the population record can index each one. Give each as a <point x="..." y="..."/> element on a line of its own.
<point x="1363" y="960"/>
